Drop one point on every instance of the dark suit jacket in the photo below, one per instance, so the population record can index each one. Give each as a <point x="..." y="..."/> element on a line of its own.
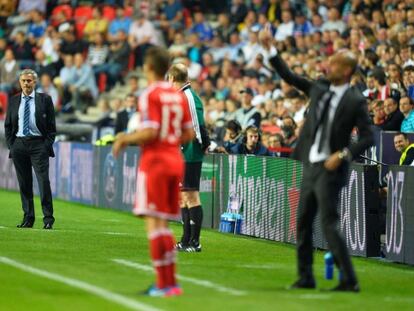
<point x="121" y="122"/>
<point x="351" y="112"/>
<point x="393" y="121"/>
<point x="45" y="119"/>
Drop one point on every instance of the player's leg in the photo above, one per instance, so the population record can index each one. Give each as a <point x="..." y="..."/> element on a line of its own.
<point x="185" y="219"/>
<point x="196" y="219"/>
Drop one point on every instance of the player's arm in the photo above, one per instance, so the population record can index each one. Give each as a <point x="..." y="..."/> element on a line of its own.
<point x="187" y="135"/>
<point x="141" y="137"/>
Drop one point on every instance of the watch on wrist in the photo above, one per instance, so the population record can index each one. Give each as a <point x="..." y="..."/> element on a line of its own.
<point x="345" y="154"/>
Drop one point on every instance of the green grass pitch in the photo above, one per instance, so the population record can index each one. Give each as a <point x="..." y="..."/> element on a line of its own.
<point x="231" y="273"/>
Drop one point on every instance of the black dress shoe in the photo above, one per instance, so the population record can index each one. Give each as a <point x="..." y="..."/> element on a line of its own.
<point x="303" y="284"/>
<point x="25" y="224"/>
<point x="346" y="287"/>
<point x="48" y="226"/>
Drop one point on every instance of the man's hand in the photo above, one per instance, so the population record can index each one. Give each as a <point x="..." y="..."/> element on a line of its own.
<point x="266" y="37"/>
<point x="333" y="162"/>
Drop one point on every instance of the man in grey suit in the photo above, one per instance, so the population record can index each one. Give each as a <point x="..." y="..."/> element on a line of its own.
<point x="324" y="148"/>
<point x="30" y="130"/>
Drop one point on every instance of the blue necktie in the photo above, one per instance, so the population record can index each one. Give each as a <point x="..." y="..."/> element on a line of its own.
<point x="26" y="116"/>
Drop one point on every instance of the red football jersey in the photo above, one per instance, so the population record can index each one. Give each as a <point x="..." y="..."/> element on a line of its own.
<point x="163" y="108"/>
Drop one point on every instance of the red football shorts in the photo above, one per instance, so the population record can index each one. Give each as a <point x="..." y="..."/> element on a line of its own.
<point x="158" y="191"/>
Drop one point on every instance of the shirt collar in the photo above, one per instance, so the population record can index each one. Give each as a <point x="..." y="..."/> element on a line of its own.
<point x="339" y="89"/>
<point x="32" y="95"/>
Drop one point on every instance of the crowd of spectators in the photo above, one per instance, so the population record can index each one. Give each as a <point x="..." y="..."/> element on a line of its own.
<point x="90" y="51"/>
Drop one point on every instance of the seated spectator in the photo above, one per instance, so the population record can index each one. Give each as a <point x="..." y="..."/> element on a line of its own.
<point x="97" y="24"/>
<point x="232" y="136"/>
<point x="97" y="52"/>
<point x="117" y="60"/>
<point x="334" y="21"/>
<point x="225" y="27"/>
<point x="238" y="11"/>
<point x="142" y="35"/>
<point x="120" y="23"/>
<point x="248" y="114"/>
<point x="9" y="69"/>
<point x="196" y="49"/>
<point x="124" y="115"/>
<point x="402" y="144"/>
<point x="277" y="145"/>
<point x="171" y="18"/>
<point x="83" y="89"/>
<point x="37" y="26"/>
<point x="285" y="28"/>
<point x="43" y="64"/>
<point x="250" y="144"/>
<point x="46" y="86"/>
<point x="377" y="111"/>
<point x="69" y="43"/>
<point x="289" y="128"/>
<point x="22" y="50"/>
<point x="393" y="116"/>
<point x="201" y="28"/>
<point x="25" y="6"/>
<point x="179" y="47"/>
<point x="407" y="109"/>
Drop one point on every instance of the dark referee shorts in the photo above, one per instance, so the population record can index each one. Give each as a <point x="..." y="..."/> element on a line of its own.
<point x="192" y="176"/>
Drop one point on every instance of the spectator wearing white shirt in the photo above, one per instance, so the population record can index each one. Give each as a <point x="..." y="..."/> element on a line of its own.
<point x="285" y="29"/>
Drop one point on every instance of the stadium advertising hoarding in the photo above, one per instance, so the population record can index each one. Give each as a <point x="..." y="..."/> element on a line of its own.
<point x="267" y="192"/>
<point x="400" y="215"/>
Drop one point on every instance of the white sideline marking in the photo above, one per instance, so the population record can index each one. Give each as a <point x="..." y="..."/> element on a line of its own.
<point x="314" y="296"/>
<point x="1" y="227"/>
<point x="199" y="282"/>
<point x="98" y="291"/>
<point x="399" y="299"/>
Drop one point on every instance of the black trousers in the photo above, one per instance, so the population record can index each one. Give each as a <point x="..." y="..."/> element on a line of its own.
<point x="27" y="153"/>
<point x="320" y="190"/>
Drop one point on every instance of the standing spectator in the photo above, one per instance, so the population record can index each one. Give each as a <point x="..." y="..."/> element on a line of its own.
<point x="407" y="109"/>
<point x="30" y="138"/>
<point x="142" y="35"/>
<point x="8" y="72"/>
<point x="393" y="115"/>
<point x="161" y="167"/>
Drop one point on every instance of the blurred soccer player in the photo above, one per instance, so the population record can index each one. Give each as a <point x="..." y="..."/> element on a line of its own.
<point x="165" y="125"/>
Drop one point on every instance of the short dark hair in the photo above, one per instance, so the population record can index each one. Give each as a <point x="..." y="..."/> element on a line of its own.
<point x="159" y="60"/>
<point x="403" y="134"/>
<point x="234" y="126"/>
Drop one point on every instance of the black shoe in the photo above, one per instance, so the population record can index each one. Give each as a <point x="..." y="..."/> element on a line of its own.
<point x="303" y="284"/>
<point x="25" y="224"/>
<point x="346" y="287"/>
<point x="180" y="246"/>
<point x="48" y="226"/>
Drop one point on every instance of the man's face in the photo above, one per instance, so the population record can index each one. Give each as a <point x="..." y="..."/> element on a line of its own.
<point x="389" y="106"/>
<point x="27" y="83"/>
<point x="400" y="143"/>
<point x="405" y="105"/>
<point x="274" y="142"/>
<point x="130" y="102"/>
<point x="252" y="139"/>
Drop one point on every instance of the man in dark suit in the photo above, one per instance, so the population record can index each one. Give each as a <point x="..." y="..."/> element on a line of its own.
<point x="30" y="130"/>
<point x="123" y="116"/>
<point x="324" y="148"/>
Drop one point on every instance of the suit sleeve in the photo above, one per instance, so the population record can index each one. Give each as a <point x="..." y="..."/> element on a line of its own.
<point x="8" y="127"/>
<point x="362" y="122"/>
<point x="50" y="121"/>
<point x="286" y="74"/>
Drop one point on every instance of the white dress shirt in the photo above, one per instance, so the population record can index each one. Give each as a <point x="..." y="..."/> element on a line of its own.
<point x="314" y="154"/>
